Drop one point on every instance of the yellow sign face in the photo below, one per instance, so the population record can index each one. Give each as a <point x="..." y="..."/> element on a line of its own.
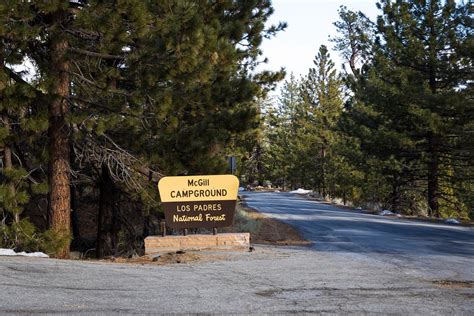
<point x="199" y="201"/>
<point x="198" y="188"/>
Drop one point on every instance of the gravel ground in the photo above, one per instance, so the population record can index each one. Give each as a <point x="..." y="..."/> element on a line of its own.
<point x="267" y="280"/>
<point x="357" y="264"/>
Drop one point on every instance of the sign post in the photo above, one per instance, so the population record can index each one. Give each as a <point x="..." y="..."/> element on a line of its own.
<point x="199" y="201"/>
<point x="232" y="161"/>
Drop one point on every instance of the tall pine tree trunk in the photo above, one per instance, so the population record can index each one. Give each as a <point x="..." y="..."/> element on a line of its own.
<point x="108" y="224"/>
<point x="433" y="177"/>
<point x="323" y="171"/>
<point x="7" y="150"/>
<point x="8" y="165"/>
<point x="59" y="144"/>
<point x="433" y="140"/>
<point x="396" y="194"/>
<point x="76" y="233"/>
<point x="146" y="218"/>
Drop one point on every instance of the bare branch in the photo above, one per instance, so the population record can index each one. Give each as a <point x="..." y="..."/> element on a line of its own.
<point x="124" y="168"/>
<point x="95" y="54"/>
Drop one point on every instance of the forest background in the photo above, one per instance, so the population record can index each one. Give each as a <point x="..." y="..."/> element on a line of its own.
<point x="125" y="92"/>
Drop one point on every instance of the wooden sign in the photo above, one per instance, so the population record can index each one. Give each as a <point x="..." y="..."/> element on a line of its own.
<point x="199" y="201"/>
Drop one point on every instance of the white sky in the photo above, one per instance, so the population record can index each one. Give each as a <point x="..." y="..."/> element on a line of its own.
<point x="309" y="25"/>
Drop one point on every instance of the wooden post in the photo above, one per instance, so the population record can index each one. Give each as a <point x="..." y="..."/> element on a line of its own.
<point x="163" y="228"/>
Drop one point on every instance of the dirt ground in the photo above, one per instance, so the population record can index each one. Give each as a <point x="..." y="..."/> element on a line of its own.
<point x="171" y="258"/>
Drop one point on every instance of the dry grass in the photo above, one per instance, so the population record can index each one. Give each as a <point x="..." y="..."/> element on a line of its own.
<point x="266" y="230"/>
<point x="454" y="284"/>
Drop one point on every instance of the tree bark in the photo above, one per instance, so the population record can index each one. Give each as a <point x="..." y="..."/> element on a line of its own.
<point x="323" y="171"/>
<point x="433" y="178"/>
<point x="433" y="139"/>
<point x="146" y="218"/>
<point x="76" y="233"/>
<point x="7" y="149"/>
<point x="59" y="143"/>
<point x="396" y="194"/>
<point x="108" y="224"/>
<point x="8" y="165"/>
<point x="352" y="59"/>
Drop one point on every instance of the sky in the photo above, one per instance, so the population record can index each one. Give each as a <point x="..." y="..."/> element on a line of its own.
<point x="310" y="22"/>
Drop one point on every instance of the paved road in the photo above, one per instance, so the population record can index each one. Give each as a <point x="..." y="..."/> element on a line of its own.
<point x="358" y="264"/>
<point x="439" y="250"/>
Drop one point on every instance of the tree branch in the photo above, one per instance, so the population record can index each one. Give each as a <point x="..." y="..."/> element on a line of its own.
<point x="94" y="54"/>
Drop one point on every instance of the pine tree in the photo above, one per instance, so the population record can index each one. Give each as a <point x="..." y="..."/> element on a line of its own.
<point x="365" y="155"/>
<point x="301" y="130"/>
<point x="288" y="138"/>
<point x="354" y="41"/>
<point x="412" y="95"/>
<point x="323" y="96"/>
<point x="125" y="87"/>
<point x="20" y="109"/>
<point x="213" y="97"/>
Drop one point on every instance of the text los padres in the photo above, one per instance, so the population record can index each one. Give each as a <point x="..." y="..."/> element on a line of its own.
<point x="201" y="191"/>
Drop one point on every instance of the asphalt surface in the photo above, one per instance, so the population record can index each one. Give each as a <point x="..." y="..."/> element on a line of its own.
<point x="437" y="249"/>
<point x="357" y="264"/>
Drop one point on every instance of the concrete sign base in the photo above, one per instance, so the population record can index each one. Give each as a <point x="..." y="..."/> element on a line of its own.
<point x="229" y="241"/>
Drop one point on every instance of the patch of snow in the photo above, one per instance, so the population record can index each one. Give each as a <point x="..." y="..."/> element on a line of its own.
<point x="10" y="252"/>
<point x="301" y="191"/>
<point x="241" y="189"/>
<point x="386" y="213"/>
<point x="358" y="208"/>
<point x="452" y="221"/>
<point x="277" y="191"/>
<point x="35" y="254"/>
<point x="7" y="252"/>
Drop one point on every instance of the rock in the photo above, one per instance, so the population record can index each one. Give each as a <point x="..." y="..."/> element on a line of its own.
<point x="224" y="241"/>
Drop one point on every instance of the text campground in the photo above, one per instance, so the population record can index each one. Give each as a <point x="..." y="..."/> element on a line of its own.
<point x="199" y="193"/>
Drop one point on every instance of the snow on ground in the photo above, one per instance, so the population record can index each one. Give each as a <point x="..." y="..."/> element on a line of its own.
<point x="11" y="252"/>
<point x="389" y="213"/>
<point x="301" y="191"/>
<point x="451" y="221"/>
